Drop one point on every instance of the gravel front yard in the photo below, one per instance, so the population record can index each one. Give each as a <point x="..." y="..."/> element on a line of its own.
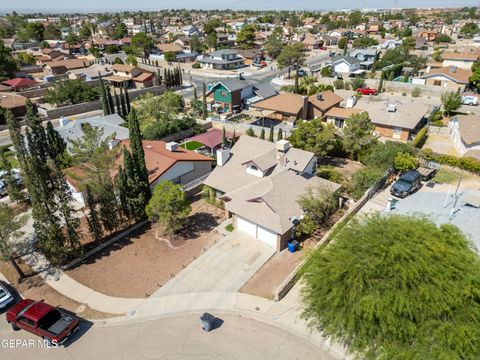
<point x="139" y="264"/>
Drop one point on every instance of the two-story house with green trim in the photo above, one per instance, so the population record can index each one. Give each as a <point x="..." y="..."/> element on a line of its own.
<point x="235" y="95"/>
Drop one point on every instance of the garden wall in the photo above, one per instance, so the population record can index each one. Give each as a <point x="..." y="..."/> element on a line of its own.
<point x="71" y="110"/>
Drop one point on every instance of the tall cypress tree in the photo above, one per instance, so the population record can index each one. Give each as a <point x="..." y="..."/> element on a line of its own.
<point x="94" y="226"/>
<point x="135" y="194"/>
<point x="56" y="145"/>
<point x="159" y="78"/>
<point x="117" y="105"/>
<point x="13" y="187"/>
<point x="122" y="191"/>
<point x="180" y="77"/>
<point x="103" y="96"/>
<point x="279" y="134"/>
<point x="111" y="105"/>
<point x="165" y="77"/>
<point x="270" y="134"/>
<point x="204" y="100"/>
<point x="122" y="104"/>
<point x="15" y="132"/>
<point x="38" y="143"/>
<point x="224" y="137"/>
<point x="262" y="134"/>
<point x="108" y="206"/>
<point x="138" y="154"/>
<point x="127" y="98"/>
<point x="195" y="95"/>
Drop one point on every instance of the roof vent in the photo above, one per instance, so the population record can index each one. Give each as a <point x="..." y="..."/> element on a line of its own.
<point x="171" y="146"/>
<point x="453" y="69"/>
<point x="319" y="97"/>
<point x="392" y="107"/>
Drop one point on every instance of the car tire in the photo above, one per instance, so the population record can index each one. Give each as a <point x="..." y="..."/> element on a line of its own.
<point x="15" y="327"/>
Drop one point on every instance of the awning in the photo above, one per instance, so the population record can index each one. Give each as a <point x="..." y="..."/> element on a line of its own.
<point x="359" y="71"/>
<point x="259" y="113"/>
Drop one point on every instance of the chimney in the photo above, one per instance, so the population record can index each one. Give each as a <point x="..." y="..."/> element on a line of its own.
<point x="222" y="156"/>
<point x="282" y="146"/>
<point x="171" y="146"/>
<point x="305" y="108"/>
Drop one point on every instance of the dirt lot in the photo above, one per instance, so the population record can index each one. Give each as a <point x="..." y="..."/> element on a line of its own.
<point x="345" y="167"/>
<point x="272" y="274"/>
<point x="34" y="287"/>
<point x="139" y="264"/>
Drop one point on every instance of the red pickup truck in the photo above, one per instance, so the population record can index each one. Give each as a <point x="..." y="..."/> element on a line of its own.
<point x="367" y="91"/>
<point x="46" y="321"/>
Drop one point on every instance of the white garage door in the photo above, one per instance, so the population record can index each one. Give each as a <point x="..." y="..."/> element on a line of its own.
<point x="246" y="226"/>
<point x="257" y="232"/>
<point x="267" y="236"/>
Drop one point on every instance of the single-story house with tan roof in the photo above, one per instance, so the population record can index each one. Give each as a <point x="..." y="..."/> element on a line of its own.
<point x="465" y="133"/>
<point x="338" y="115"/>
<point x="462" y="60"/>
<point x="261" y="183"/>
<point x="291" y="107"/>
<point x="450" y="77"/>
<point x="131" y="76"/>
<point x="14" y="102"/>
<point x="164" y="161"/>
<point x="171" y="47"/>
<point x="59" y="67"/>
<point x="395" y="117"/>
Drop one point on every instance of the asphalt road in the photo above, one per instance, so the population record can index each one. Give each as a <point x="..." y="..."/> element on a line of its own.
<point x="172" y="338"/>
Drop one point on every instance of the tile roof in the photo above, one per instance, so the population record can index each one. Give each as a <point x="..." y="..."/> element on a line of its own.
<point x="19" y="82"/>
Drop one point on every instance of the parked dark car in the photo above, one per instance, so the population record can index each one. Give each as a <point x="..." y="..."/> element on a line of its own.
<point x="408" y="183"/>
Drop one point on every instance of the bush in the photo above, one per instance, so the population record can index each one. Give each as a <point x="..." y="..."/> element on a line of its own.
<point x="229" y="227"/>
<point x="196" y="65"/>
<point x="338" y="84"/>
<point x="326" y="71"/>
<point x="420" y="138"/>
<point x="416" y="92"/>
<point x="363" y="180"/>
<point x="357" y="83"/>
<point x="329" y="173"/>
<point x="464" y="163"/>
<point x="347" y="86"/>
<point x="404" y="162"/>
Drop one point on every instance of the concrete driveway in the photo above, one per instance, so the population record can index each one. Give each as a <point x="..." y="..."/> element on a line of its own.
<point x="226" y="266"/>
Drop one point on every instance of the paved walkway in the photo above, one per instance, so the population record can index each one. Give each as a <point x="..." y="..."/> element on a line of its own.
<point x="226" y="266"/>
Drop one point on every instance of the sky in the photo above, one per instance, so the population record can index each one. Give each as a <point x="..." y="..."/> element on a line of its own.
<point x="119" y="5"/>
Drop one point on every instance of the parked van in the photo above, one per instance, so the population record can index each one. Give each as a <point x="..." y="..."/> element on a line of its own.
<point x="471" y="100"/>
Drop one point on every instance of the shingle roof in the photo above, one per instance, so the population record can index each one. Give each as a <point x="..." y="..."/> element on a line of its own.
<point x="342" y="113"/>
<point x="460" y="56"/>
<point x="285" y="103"/>
<point x="453" y="73"/>
<point x="469" y="126"/>
<point x="328" y="99"/>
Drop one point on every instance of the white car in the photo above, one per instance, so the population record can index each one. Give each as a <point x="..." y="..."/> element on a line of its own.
<point x="5" y="296"/>
<point x="471" y="100"/>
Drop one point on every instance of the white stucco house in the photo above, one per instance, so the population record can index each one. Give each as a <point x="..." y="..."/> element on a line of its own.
<point x="465" y="134"/>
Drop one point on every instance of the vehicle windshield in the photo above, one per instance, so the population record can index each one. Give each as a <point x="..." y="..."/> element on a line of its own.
<point x="2" y="293"/>
<point x="403" y="183"/>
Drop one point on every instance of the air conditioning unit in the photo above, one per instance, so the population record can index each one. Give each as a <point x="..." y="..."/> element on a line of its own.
<point x="172" y="146"/>
<point x="392" y="108"/>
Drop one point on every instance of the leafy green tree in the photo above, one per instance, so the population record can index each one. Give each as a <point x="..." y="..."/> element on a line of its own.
<point x="196" y="45"/>
<point x="315" y="136"/>
<point x="326" y="71"/>
<point x="10" y="234"/>
<point x="469" y="29"/>
<point x="35" y="31"/>
<point x="169" y="206"/>
<point x="274" y="43"/>
<point x="108" y="206"/>
<point x="69" y="92"/>
<point x="292" y="55"/>
<point x="408" y="44"/>
<point x="52" y="32"/>
<point x="72" y="39"/>
<point x="85" y="32"/>
<point x="131" y="60"/>
<point x="143" y="42"/>
<point x="246" y="36"/>
<point x="318" y="205"/>
<point x="382" y="155"/>
<point x="26" y="58"/>
<point x="170" y="56"/>
<point x="212" y="40"/>
<point x="120" y="31"/>
<point x="342" y="43"/>
<point x="364" y="42"/>
<point x="405" y="162"/>
<point x="396" y="287"/>
<point x="358" y="134"/>
<point x="451" y="101"/>
<point x="443" y="38"/>
<point x="8" y="65"/>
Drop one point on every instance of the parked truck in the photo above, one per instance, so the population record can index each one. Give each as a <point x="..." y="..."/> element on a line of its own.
<point x="50" y="323"/>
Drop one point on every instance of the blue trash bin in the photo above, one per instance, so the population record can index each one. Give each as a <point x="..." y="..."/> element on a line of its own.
<point x="293" y="246"/>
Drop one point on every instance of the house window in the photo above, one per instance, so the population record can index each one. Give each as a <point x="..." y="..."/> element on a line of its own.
<point x="253" y="167"/>
<point x="223" y="93"/>
<point x="339" y="123"/>
<point x="437" y="82"/>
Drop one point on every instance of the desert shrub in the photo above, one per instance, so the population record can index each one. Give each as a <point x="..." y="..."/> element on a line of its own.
<point x="420" y="138"/>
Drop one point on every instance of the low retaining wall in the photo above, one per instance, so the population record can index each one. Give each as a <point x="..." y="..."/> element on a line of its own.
<point x="241" y="128"/>
<point x="104" y="245"/>
<point x="292" y="279"/>
<point x="71" y="110"/>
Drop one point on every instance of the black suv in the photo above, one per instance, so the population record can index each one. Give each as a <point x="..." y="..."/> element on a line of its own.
<point x="408" y="183"/>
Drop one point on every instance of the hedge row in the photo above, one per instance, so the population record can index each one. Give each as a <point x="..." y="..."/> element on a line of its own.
<point x="420" y="138"/>
<point x="464" y="163"/>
